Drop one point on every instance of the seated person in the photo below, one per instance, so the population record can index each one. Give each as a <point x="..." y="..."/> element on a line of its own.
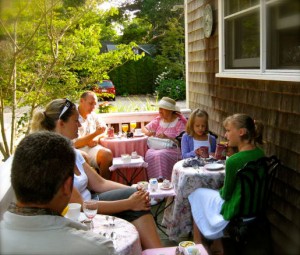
<point x="197" y="135"/>
<point x="42" y="178"/>
<point x="91" y="130"/>
<point x="114" y="198"/>
<point x="212" y="209"/>
<point x="168" y="125"/>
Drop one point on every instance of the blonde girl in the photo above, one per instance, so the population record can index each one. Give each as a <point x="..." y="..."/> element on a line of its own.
<point x="197" y="135"/>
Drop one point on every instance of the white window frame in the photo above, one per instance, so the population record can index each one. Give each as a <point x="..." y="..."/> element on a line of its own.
<point x="258" y="74"/>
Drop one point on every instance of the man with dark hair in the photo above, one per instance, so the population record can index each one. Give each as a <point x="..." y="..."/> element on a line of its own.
<point x="91" y="130"/>
<point x="42" y="177"/>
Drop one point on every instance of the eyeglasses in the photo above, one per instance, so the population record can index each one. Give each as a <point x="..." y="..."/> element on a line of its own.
<point x="66" y="107"/>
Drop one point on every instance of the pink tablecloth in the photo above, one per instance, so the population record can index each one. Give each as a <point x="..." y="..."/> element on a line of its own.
<point x="127" y="242"/>
<point x="123" y="145"/>
<point x="178" y="218"/>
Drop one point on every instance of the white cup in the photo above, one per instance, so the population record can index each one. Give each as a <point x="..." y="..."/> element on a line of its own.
<point x="143" y="185"/>
<point x="138" y="131"/>
<point x="73" y="211"/>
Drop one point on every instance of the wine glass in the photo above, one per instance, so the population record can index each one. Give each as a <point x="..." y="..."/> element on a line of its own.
<point x="132" y="126"/>
<point x="125" y="128"/>
<point x="90" y="209"/>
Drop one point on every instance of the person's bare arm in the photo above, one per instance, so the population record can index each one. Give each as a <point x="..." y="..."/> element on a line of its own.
<point x="76" y="196"/>
<point x="88" y="139"/>
<point x="137" y="201"/>
<point x="97" y="183"/>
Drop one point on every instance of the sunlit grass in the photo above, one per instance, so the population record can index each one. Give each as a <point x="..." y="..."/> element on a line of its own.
<point x="134" y="104"/>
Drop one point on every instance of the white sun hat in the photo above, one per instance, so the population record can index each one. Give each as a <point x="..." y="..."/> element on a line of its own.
<point x="168" y="104"/>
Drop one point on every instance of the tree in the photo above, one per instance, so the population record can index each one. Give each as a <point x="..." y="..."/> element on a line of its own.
<point x="171" y="50"/>
<point x="50" y="50"/>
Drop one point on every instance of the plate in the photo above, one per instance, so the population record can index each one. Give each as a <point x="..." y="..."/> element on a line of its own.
<point x="135" y="157"/>
<point x="214" y="166"/>
<point x="111" y="137"/>
<point x="138" y="135"/>
<point x="171" y="187"/>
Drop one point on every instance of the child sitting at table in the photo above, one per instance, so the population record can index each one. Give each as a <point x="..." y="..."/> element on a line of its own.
<point x="197" y="135"/>
<point x="212" y="209"/>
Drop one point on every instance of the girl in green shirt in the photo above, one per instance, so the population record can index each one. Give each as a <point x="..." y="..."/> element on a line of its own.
<point x="212" y="209"/>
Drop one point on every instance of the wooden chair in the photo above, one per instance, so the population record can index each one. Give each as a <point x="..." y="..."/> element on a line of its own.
<point x="249" y="231"/>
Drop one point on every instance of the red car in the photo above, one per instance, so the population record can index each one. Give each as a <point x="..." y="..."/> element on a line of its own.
<point x="105" y="90"/>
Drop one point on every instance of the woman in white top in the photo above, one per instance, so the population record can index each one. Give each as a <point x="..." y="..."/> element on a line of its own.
<point x="61" y="116"/>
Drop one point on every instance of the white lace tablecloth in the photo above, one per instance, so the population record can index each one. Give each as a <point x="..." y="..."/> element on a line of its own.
<point x="127" y="242"/>
<point x="178" y="218"/>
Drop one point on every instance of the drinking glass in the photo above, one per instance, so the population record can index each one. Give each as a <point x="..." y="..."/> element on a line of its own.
<point x="90" y="209"/>
<point x="132" y="125"/>
<point x="125" y="128"/>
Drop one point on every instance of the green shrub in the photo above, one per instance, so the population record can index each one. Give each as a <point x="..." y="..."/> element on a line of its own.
<point x="103" y="96"/>
<point x="104" y="107"/>
<point x="171" y="88"/>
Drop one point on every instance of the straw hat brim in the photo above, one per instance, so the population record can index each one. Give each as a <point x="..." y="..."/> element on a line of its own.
<point x="164" y="104"/>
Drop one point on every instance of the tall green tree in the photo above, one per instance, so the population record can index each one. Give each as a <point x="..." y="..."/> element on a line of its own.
<point x="50" y="49"/>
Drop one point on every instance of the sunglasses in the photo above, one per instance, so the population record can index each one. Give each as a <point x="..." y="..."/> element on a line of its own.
<point x="68" y="104"/>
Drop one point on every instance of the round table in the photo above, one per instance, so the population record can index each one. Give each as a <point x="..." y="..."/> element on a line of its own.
<point x="178" y="218"/>
<point x="127" y="242"/>
<point x="123" y="145"/>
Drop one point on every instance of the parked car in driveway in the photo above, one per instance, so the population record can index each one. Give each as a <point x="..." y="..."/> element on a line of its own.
<point x="105" y="90"/>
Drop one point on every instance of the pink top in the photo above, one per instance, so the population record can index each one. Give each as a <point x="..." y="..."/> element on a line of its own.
<point x="171" y="129"/>
<point x="161" y="162"/>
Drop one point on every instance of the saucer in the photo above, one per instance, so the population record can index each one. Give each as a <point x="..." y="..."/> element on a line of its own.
<point x="170" y="187"/>
<point x="214" y="166"/>
<point x="135" y="157"/>
<point x="138" y="135"/>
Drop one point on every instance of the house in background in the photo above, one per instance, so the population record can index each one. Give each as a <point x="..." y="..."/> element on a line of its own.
<point x="244" y="56"/>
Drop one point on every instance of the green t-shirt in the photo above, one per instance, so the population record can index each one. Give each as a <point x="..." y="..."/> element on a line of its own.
<point x="231" y="191"/>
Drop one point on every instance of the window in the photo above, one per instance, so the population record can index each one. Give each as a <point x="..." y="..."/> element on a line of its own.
<point x="260" y="38"/>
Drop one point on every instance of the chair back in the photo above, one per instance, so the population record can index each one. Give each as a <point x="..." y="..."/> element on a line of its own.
<point x="256" y="179"/>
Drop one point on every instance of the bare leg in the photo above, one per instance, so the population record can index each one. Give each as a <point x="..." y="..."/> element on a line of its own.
<point x="216" y="247"/>
<point x="197" y="234"/>
<point x="147" y="231"/>
<point x="104" y="161"/>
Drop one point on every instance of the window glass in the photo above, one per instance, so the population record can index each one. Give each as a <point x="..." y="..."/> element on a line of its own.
<point x="283" y="40"/>
<point x="106" y="84"/>
<point x="233" y="6"/>
<point x="242" y="41"/>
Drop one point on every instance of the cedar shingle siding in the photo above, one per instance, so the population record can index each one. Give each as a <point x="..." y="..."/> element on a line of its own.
<point x="276" y="103"/>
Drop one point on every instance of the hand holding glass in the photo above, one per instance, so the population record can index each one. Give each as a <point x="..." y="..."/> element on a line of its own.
<point x="90" y="209"/>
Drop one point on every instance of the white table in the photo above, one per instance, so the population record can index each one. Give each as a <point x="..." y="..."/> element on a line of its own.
<point x="177" y="217"/>
<point x="128" y="241"/>
<point x="134" y="167"/>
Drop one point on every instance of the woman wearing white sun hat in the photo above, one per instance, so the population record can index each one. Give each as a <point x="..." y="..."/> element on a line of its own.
<point x="169" y="124"/>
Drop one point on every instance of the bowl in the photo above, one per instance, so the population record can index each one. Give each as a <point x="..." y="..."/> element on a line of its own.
<point x="166" y="184"/>
<point x="188" y="248"/>
<point x="126" y="157"/>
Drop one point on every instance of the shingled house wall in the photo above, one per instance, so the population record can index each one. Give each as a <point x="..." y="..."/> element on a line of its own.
<point x="276" y="103"/>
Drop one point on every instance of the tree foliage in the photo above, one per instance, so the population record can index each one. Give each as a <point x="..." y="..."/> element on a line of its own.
<point x="51" y="49"/>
